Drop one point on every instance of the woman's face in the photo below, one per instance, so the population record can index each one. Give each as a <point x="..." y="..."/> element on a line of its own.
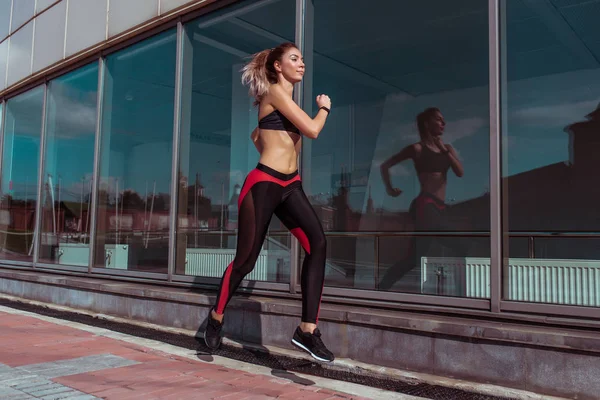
<point x="291" y="65"/>
<point x="436" y="124"/>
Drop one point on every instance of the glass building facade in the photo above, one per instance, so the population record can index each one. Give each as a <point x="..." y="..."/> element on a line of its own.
<point x="126" y="160"/>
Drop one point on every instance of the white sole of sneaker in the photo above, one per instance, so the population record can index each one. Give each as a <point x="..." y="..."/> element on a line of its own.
<point x="301" y="346"/>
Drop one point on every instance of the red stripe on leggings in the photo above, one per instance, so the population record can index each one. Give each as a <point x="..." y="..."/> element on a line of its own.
<point x="255" y="176"/>
<point x="224" y="290"/>
<point x="301" y="236"/>
<point x="422" y="201"/>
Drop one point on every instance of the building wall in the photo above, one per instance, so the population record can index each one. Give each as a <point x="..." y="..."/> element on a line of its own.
<point x="129" y="164"/>
<point x="38" y="33"/>
<point x="124" y="143"/>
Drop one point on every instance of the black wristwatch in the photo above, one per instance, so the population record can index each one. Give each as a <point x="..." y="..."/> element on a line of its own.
<point x="324" y="108"/>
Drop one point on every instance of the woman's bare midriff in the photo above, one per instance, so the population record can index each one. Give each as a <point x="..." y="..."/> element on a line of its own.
<point x="434" y="183"/>
<point x="280" y="150"/>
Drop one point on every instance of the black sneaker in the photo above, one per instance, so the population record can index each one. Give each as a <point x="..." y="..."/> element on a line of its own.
<point x="212" y="334"/>
<point x="312" y="343"/>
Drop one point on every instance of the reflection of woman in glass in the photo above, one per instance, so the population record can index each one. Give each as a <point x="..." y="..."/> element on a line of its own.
<point x="274" y="187"/>
<point x="432" y="158"/>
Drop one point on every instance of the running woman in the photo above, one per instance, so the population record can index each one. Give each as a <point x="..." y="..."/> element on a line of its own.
<point x="274" y="187"/>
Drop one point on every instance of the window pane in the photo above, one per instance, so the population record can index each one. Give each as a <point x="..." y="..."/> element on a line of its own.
<point x="86" y="24"/>
<point x="405" y="58"/>
<point x="135" y="165"/>
<point x="216" y="151"/>
<point x="49" y="42"/>
<point x="20" y="158"/>
<point x="22" y="11"/>
<point x="19" y="54"/>
<point x="68" y="167"/>
<point x="123" y="15"/>
<point x="550" y="148"/>
<point x="5" y="6"/>
<point x="440" y="270"/>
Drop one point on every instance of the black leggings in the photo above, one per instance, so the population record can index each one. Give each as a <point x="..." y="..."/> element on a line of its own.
<point x="428" y="214"/>
<point x="267" y="192"/>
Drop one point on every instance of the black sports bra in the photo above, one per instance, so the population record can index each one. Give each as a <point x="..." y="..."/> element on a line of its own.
<point x="430" y="161"/>
<point x="277" y="122"/>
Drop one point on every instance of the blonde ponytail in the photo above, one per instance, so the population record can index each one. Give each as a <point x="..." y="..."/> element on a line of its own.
<point x="254" y="75"/>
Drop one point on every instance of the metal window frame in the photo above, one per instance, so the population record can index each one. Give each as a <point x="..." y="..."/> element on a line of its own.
<point x="102" y="69"/>
<point x="496" y="228"/>
<point x="96" y="167"/>
<point x="556" y="310"/>
<point x="246" y="284"/>
<point x="45" y="264"/>
<point x="174" y="212"/>
<point x="332" y="291"/>
<point x="299" y="99"/>
<point x="503" y="232"/>
<point x="61" y="267"/>
<point x="156" y="276"/>
<point x="173" y="219"/>
<point x="18" y="263"/>
<point x="399" y="297"/>
<point x="42" y="160"/>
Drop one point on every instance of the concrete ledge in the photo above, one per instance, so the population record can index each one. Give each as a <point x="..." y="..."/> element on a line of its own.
<point x="570" y="339"/>
<point x="554" y="361"/>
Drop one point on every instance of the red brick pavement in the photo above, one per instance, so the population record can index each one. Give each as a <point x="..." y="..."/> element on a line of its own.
<point x="28" y="340"/>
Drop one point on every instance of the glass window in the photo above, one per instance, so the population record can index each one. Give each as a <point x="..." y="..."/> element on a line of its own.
<point x="5" y="6"/>
<point x="86" y="24"/>
<point x="22" y="11"/>
<point x="19" y="54"/>
<point x="215" y="151"/>
<point x="68" y="167"/>
<point x="550" y="147"/>
<point x="123" y="15"/>
<point x="19" y="186"/>
<point x="406" y="58"/>
<point x="49" y="41"/>
<point x="136" y="153"/>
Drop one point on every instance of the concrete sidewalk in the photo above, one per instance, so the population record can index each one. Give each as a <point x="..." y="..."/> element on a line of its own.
<point x="44" y="358"/>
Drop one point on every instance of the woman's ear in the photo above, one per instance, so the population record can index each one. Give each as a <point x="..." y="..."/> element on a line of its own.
<point x="277" y="66"/>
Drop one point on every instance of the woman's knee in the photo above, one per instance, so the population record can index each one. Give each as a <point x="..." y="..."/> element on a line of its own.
<point x="245" y="265"/>
<point x="318" y="243"/>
